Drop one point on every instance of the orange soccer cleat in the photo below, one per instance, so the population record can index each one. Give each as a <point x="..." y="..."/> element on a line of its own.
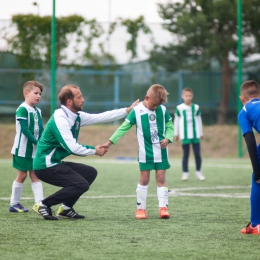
<point x="164" y="212"/>
<point x="251" y="230"/>
<point x="141" y="214"/>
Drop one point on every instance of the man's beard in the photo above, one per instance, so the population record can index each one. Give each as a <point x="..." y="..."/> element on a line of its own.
<point x="77" y="108"/>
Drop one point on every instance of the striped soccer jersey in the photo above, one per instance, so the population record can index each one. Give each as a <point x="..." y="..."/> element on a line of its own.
<point x="22" y="146"/>
<point x="60" y="135"/>
<point x="150" y="130"/>
<point x="188" y="123"/>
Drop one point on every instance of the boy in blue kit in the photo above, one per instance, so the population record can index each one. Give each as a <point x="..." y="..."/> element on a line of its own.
<point x="249" y="118"/>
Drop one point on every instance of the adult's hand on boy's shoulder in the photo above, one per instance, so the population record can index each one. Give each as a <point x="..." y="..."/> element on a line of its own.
<point x="128" y="109"/>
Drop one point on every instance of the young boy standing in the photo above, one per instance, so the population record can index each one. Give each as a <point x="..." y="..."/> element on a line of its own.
<point x="28" y="131"/>
<point x="188" y="127"/>
<point x="154" y="130"/>
<point x="249" y="118"/>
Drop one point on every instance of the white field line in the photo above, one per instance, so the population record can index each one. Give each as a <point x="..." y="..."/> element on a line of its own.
<point x="235" y="165"/>
<point x="177" y="193"/>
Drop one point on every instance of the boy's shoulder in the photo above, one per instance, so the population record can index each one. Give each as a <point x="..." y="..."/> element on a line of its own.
<point x="139" y="106"/>
<point x="252" y="104"/>
<point x="26" y="107"/>
<point x="184" y="106"/>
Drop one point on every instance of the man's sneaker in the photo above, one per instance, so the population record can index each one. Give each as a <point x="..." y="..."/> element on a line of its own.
<point x="164" y="213"/>
<point x="200" y="176"/>
<point x="185" y="176"/>
<point x="18" y="208"/>
<point x="68" y="213"/>
<point x="141" y="214"/>
<point x="44" y="211"/>
<point x="251" y="230"/>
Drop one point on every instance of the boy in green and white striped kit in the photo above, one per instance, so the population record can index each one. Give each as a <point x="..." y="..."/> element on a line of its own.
<point x="154" y="131"/>
<point x="188" y="127"/>
<point x="29" y="128"/>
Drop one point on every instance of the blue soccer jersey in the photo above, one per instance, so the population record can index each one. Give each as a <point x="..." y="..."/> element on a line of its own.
<point x="249" y="116"/>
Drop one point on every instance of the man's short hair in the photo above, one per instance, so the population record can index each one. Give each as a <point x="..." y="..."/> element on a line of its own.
<point x="66" y="93"/>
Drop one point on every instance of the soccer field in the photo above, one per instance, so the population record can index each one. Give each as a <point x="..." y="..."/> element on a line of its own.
<point x="205" y="223"/>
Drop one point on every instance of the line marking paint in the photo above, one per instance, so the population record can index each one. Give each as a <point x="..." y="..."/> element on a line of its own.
<point x="178" y="192"/>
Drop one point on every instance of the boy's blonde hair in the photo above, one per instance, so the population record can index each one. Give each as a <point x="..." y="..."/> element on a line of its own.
<point x="28" y="86"/>
<point x="250" y="89"/>
<point x="158" y="92"/>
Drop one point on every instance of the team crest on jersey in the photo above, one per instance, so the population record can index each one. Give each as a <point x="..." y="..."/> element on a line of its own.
<point x="152" y="117"/>
<point x="76" y="125"/>
<point x="35" y="117"/>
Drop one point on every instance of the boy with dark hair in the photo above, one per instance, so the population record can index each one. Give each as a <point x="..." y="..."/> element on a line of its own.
<point x="249" y="118"/>
<point x="188" y="127"/>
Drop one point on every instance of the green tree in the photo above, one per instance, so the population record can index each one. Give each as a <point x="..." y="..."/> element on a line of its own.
<point x="133" y="28"/>
<point x="98" y="60"/>
<point x="204" y="30"/>
<point x="32" y="42"/>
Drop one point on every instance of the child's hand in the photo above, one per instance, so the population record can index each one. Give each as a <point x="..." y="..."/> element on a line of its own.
<point x="100" y="151"/>
<point x="257" y="177"/>
<point x="164" y="143"/>
<point x="176" y="138"/>
<point x="106" y="144"/>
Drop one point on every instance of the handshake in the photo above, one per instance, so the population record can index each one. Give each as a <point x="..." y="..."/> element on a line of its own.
<point x="102" y="149"/>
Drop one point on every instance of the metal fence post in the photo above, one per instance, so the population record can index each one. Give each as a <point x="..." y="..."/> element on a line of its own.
<point x="116" y="92"/>
<point x="180" y="86"/>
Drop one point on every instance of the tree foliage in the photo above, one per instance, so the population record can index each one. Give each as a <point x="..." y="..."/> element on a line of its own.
<point x="33" y="39"/>
<point x="32" y="43"/>
<point x="203" y="30"/>
<point x="133" y="28"/>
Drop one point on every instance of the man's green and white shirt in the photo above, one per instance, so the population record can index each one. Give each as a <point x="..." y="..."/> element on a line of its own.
<point x="22" y="146"/>
<point x="188" y="123"/>
<point x="60" y="135"/>
<point x="151" y="128"/>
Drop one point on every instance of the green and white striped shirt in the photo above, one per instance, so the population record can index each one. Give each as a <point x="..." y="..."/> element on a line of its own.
<point x="188" y="123"/>
<point x="151" y="128"/>
<point x="59" y="138"/>
<point x="22" y="146"/>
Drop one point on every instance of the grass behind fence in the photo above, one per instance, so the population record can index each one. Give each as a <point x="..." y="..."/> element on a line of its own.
<point x="205" y="221"/>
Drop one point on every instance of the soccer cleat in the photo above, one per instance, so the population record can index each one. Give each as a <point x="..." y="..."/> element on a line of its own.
<point x="141" y="214"/>
<point x="164" y="212"/>
<point x="185" y="176"/>
<point x="200" y="177"/>
<point x="18" y="208"/>
<point x="251" y="230"/>
<point x="68" y="213"/>
<point x="44" y="211"/>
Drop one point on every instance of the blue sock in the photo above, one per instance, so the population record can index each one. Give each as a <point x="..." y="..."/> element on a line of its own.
<point x="255" y="202"/>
